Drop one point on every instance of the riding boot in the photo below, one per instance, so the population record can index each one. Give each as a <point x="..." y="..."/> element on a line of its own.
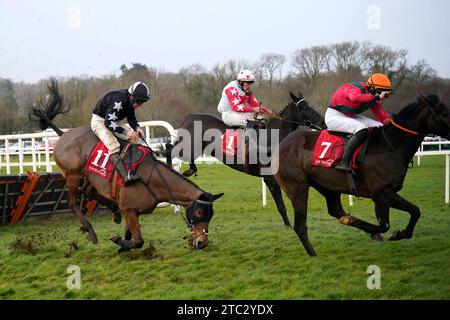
<point x="127" y="175"/>
<point x="352" y="145"/>
<point x="248" y="125"/>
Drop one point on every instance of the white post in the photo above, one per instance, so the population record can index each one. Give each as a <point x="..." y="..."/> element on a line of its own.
<point x="20" y="144"/>
<point x="447" y="178"/>
<point x="418" y="156"/>
<point x="49" y="167"/>
<point x="33" y="153"/>
<point x="8" y="169"/>
<point x="350" y="200"/>
<point x="264" y="193"/>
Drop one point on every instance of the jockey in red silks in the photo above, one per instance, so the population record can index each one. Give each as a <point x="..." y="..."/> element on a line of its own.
<point x="348" y="102"/>
<point x="238" y="104"/>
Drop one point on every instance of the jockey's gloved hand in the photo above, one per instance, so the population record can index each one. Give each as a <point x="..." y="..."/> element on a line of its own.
<point x="131" y="134"/>
<point x="140" y="132"/>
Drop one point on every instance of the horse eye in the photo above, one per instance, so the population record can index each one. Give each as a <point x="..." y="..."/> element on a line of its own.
<point x="199" y="213"/>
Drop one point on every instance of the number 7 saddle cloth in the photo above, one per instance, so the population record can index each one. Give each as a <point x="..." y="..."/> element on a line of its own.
<point x="329" y="149"/>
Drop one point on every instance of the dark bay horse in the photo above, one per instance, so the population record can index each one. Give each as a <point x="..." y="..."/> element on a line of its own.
<point x="379" y="177"/>
<point x="297" y="112"/>
<point x="158" y="182"/>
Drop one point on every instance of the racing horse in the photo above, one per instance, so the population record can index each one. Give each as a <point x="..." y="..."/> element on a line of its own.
<point x="297" y="112"/>
<point x="158" y="182"/>
<point x="380" y="176"/>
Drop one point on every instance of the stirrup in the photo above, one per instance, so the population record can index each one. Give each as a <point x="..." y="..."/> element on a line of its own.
<point x="130" y="178"/>
<point x="344" y="167"/>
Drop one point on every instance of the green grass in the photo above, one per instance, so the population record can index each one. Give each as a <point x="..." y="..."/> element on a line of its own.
<point x="251" y="255"/>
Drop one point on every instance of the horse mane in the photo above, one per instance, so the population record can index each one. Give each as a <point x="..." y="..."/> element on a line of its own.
<point x="280" y="113"/>
<point x="406" y="111"/>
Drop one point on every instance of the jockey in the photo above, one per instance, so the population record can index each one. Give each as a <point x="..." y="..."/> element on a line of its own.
<point x="238" y="104"/>
<point x="348" y="102"/>
<point x="113" y="107"/>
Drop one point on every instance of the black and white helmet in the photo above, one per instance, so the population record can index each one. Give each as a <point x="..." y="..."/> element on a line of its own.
<point x="139" y="91"/>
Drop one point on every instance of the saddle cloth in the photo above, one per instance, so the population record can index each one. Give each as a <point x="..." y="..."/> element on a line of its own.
<point x="100" y="164"/>
<point x="329" y="150"/>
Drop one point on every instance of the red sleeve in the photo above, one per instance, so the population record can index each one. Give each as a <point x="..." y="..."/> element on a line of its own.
<point x="355" y="95"/>
<point x="252" y="102"/>
<point x="379" y="112"/>
<point x="235" y="102"/>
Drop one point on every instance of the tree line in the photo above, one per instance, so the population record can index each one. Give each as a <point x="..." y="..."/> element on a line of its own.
<point x="315" y="71"/>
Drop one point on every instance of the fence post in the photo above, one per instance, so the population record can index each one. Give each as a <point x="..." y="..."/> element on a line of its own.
<point x="33" y="153"/>
<point x="47" y="156"/>
<point x="20" y="145"/>
<point x="8" y="169"/>
<point x="447" y="178"/>
<point x="264" y="193"/>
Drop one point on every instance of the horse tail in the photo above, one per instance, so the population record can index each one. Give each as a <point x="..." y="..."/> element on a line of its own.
<point x="49" y="107"/>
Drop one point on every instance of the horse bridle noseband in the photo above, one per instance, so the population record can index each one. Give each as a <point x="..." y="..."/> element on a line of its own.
<point x="194" y="220"/>
<point x="192" y="223"/>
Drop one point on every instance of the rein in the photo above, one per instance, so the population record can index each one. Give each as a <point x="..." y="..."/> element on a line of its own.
<point x="411" y="132"/>
<point x="189" y="224"/>
<point x="307" y="123"/>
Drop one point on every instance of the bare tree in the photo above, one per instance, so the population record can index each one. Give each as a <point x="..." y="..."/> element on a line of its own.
<point x="311" y="62"/>
<point x="348" y="56"/>
<point x="421" y="72"/>
<point x="270" y="64"/>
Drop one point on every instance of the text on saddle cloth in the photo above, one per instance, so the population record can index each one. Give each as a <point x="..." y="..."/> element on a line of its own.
<point x="100" y="164"/>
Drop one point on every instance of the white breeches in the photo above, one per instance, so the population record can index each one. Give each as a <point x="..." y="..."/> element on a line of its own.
<point x="236" y="119"/>
<point x="337" y="121"/>
<point x="106" y="135"/>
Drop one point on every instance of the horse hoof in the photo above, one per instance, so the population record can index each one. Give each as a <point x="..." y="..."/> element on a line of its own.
<point x="397" y="235"/>
<point x="122" y="249"/>
<point x="377" y="237"/>
<point x="188" y="173"/>
<point x="92" y="237"/>
<point x="115" y="238"/>
<point x="287" y="227"/>
<point x="346" y="220"/>
<point x="117" y="218"/>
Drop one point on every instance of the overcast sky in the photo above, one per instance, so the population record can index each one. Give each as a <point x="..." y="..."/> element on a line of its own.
<point x="63" y="38"/>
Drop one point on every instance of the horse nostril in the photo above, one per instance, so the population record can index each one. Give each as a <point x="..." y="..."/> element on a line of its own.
<point x="201" y="245"/>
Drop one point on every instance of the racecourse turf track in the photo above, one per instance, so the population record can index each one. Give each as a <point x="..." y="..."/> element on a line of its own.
<point x="251" y="254"/>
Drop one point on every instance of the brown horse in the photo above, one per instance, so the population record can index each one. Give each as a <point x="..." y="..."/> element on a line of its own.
<point x="297" y="112"/>
<point x="158" y="182"/>
<point x="380" y="176"/>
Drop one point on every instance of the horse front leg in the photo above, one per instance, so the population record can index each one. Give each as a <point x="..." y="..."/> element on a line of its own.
<point x="275" y="190"/>
<point x="192" y="169"/>
<point x="300" y="204"/>
<point x="394" y="200"/>
<point x="132" y="227"/>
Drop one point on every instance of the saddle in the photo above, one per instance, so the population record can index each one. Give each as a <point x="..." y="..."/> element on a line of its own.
<point x="100" y="164"/>
<point x="330" y="146"/>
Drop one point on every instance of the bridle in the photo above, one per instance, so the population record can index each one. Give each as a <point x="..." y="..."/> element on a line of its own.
<point x="306" y="123"/>
<point x="192" y="222"/>
<point x="433" y="113"/>
<point x="412" y="132"/>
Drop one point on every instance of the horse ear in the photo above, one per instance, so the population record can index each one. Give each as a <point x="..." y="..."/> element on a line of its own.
<point x="293" y="97"/>
<point x="216" y="196"/>
<point x="300" y="95"/>
<point x="420" y="98"/>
